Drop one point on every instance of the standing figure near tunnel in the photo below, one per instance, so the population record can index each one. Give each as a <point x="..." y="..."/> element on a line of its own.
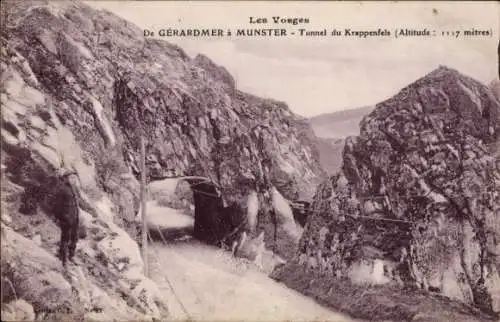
<point x="67" y="212"/>
<point x="57" y="192"/>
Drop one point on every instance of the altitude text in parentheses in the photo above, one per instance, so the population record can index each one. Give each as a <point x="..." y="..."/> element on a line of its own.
<point x="412" y="32"/>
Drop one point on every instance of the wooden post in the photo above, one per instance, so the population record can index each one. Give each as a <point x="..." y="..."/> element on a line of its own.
<point x="143" y="208"/>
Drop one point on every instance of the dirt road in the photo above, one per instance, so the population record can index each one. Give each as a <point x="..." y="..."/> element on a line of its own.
<point x="211" y="285"/>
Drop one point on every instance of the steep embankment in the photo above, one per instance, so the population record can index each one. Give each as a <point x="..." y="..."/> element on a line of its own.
<point x="78" y="88"/>
<point x="417" y="202"/>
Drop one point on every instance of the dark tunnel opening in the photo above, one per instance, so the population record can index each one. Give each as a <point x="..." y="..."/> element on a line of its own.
<point x="300" y="210"/>
<point x="221" y="226"/>
<point x="215" y="224"/>
<point x="207" y="207"/>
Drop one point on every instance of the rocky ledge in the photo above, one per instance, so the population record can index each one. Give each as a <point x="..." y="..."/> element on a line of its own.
<point x="417" y="203"/>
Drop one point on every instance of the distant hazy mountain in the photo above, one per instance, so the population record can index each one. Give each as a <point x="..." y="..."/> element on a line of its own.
<point x="330" y="153"/>
<point x="331" y="130"/>
<point x="339" y="124"/>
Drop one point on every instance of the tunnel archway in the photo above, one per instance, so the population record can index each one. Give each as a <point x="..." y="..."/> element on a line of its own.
<point x="214" y="223"/>
<point x="222" y="225"/>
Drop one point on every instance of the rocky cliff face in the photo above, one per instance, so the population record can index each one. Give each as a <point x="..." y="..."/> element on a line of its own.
<point x="417" y="201"/>
<point x="79" y="87"/>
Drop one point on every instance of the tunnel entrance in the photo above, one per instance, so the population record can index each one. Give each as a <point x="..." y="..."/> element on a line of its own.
<point x="221" y="225"/>
<point x="214" y="223"/>
<point x="300" y="211"/>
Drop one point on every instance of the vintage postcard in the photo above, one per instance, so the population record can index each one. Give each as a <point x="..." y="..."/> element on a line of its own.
<point x="250" y="161"/>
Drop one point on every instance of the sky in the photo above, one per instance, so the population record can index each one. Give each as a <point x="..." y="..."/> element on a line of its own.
<point x="316" y="75"/>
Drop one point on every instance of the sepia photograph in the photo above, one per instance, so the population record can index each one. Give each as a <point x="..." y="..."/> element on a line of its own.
<point x="250" y="161"/>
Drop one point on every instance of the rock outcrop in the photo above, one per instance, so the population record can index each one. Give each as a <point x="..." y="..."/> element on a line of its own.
<point x="418" y="199"/>
<point x="79" y="87"/>
<point x="107" y="85"/>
